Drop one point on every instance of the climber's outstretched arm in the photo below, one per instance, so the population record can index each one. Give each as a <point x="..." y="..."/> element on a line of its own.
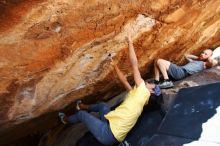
<point x="134" y="63"/>
<point x="121" y="76"/>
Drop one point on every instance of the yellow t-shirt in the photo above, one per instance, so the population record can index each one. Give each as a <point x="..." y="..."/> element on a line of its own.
<point x="124" y="117"/>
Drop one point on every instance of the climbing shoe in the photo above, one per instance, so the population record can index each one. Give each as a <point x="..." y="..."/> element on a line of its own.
<point x="156" y="82"/>
<point x="62" y="116"/>
<point x="78" y="102"/>
<point x="124" y="143"/>
<point x="166" y="84"/>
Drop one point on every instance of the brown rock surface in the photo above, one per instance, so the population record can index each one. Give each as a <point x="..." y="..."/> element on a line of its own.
<point x="55" y="51"/>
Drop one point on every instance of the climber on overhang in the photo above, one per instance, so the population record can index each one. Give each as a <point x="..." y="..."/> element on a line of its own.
<point x="195" y="65"/>
<point x="112" y="126"/>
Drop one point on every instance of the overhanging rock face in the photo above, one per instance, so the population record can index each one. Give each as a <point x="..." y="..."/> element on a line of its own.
<point x="55" y="51"/>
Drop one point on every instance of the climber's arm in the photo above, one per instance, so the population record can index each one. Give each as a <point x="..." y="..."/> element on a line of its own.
<point x="122" y="77"/>
<point x="190" y="57"/>
<point x="134" y="62"/>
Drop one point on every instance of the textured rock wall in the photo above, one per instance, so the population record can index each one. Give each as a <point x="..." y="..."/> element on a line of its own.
<point x="55" y="51"/>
